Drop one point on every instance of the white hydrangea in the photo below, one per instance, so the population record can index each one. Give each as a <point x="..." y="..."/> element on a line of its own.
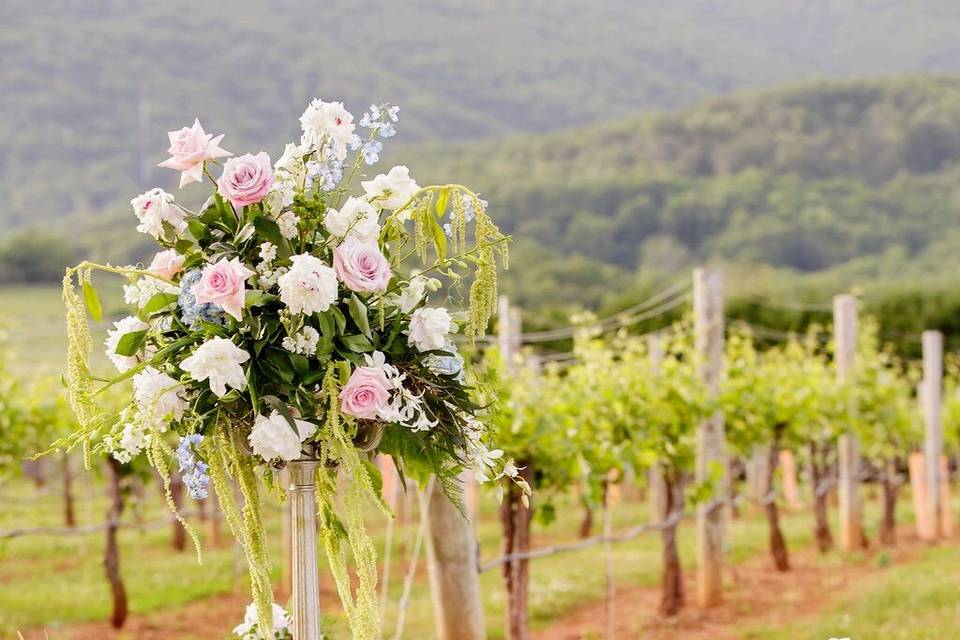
<point x="219" y="361"/>
<point x="357" y="218"/>
<point x="122" y="327"/>
<point x="391" y="190"/>
<point x="327" y="124"/>
<point x="429" y="327"/>
<point x="288" y="223"/>
<point x="309" y="286"/>
<point x="303" y="342"/>
<point x="159" y="398"/>
<point x="272" y="437"/>
<point x="139" y="293"/>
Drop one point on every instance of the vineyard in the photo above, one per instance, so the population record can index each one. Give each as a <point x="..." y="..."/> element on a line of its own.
<point x="677" y="473"/>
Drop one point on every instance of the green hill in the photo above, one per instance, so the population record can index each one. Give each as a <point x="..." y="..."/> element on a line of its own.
<point x="89" y="86"/>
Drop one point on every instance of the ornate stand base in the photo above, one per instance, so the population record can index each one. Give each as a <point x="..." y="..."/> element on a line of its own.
<point x="302" y="494"/>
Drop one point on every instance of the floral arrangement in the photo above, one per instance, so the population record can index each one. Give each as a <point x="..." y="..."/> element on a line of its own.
<point x="280" y="321"/>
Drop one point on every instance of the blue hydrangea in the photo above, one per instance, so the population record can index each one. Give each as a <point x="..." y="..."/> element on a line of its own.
<point x="451" y="365"/>
<point x="192" y="313"/>
<point x="193" y="470"/>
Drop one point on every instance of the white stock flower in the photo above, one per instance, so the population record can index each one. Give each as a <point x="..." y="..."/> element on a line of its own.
<point x="356" y="219"/>
<point x="391" y="190"/>
<point x="309" y="286"/>
<point x="327" y="123"/>
<point x="140" y="292"/>
<point x="429" y="327"/>
<point x="272" y="437"/>
<point x="303" y="342"/>
<point x="122" y="327"/>
<point x="159" y="397"/>
<point x="155" y="207"/>
<point x="288" y="222"/>
<point x="218" y="360"/>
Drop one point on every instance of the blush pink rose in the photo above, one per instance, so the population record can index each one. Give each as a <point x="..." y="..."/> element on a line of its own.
<point x="361" y="266"/>
<point x="246" y="180"/>
<point x="189" y="148"/>
<point x="166" y="264"/>
<point x="366" y="392"/>
<point x="223" y="284"/>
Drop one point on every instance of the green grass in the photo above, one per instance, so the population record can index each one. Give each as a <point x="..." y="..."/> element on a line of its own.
<point x="914" y="601"/>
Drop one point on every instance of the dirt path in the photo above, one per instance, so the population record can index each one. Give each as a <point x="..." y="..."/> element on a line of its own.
<point x="756" y="595"/>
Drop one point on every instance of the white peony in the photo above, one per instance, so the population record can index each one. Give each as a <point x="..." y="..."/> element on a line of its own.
<point x="327" y="123"/>
<point x="272" y="437"/>
<point x="155" y="207"/>
<point x="309" y="286"/>
<point x="356" y="219"/>
<point x="218" y="360"/>
<point x="429" y="327"/>
<point x="122" y="327"/>
<point x="392" y="190"/>
<point x="159" y="397"/>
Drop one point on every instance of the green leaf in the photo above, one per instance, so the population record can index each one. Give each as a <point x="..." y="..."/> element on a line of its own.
<point x="443" y="197"/>
<point x="130" y="343"/>
<point x="269" y="230"/>
<point x="277" y="365"/>
<point x="375" y="478"/>
<point x="300" y="363"/>
<point x="340" y="319"/>
<point x="197" y="228"/>
<point x="356" y="343"/>
<point x="257" y="298"/>
<point x="92" y="301"/>
<point x="160" y="302"/>
<point x="358" y="311"/>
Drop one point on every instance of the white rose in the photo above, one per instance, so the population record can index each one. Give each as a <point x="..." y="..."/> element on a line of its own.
<point x="429" y="327"/>
<point x="327" y="123"/>
<point x="159" y="397"/>
<point x="273" y="438"/>
<point x="121" y="328"/>
<point x="356" y="219"/>
<point x="218" y="360"/>
<point x="392" y="190"/>
<point x="155" y="207"/>
<point x="309" y="286"/>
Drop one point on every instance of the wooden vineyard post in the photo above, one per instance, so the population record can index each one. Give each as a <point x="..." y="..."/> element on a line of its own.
<point x="791" y="490"/>
<point x="452" y="569"/>
<point x="933" y="430"/>
<point x="302" y="494"/>
<point x="845" y="339"/>
<point x="711" y="458"/>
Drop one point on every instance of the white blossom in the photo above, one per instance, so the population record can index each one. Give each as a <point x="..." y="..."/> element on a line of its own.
<point x="155" y="207"/>
<point x="327" y="123"/>
<point x="282" y="623"/>
<point x="391" y="190"/>
<point x="272" y="437"/>
<point x="139" y="293"/>
<point x="288" y="223"/>
<point x="357" y="218"/>
<point x="310" y="286"/>
<point x="303" y="342"/>
<point x="429" y="327"/>
<point x="159" y="398"/>
<point x="219" y="361"/>
<point x="130" y="324"/>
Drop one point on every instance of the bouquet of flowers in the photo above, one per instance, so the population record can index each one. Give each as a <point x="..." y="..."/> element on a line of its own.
<point x="280" y="321"/>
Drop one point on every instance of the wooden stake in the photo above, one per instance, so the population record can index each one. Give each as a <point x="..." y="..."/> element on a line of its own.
<point x="791" y="490"/>
<point x="845" y="338"/>
<point x="711" y="458"/>
<point x="933" y="428"/>
<point x="452" y="569"/>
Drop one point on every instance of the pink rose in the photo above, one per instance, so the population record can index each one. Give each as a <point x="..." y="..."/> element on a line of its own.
<point x="246" y="180"/>
<point x="189" y="148"/>
<point x="223" y="284"/>
<point x="361" y="266"/>
<point x="365" y="393"/>
<point x="166" y="264"/>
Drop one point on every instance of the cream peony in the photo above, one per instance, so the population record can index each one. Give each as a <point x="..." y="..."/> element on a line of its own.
<point x="218" y="360"/>
<point x="272" y="437"/>
<point x="159" y="397"/>
<point x="155" y="207"/>
<point x="327" y="123"/>
<point x="429" y="327"/>
<point x="310" y="286"/>
<point x="356" y="219"/>
<point x="121" y="328"/>
<point x="392" y="190"/>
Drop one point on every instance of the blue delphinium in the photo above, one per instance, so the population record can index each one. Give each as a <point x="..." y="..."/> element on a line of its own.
<point x="192" y="313"/>
<point x="193" y="470"/>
